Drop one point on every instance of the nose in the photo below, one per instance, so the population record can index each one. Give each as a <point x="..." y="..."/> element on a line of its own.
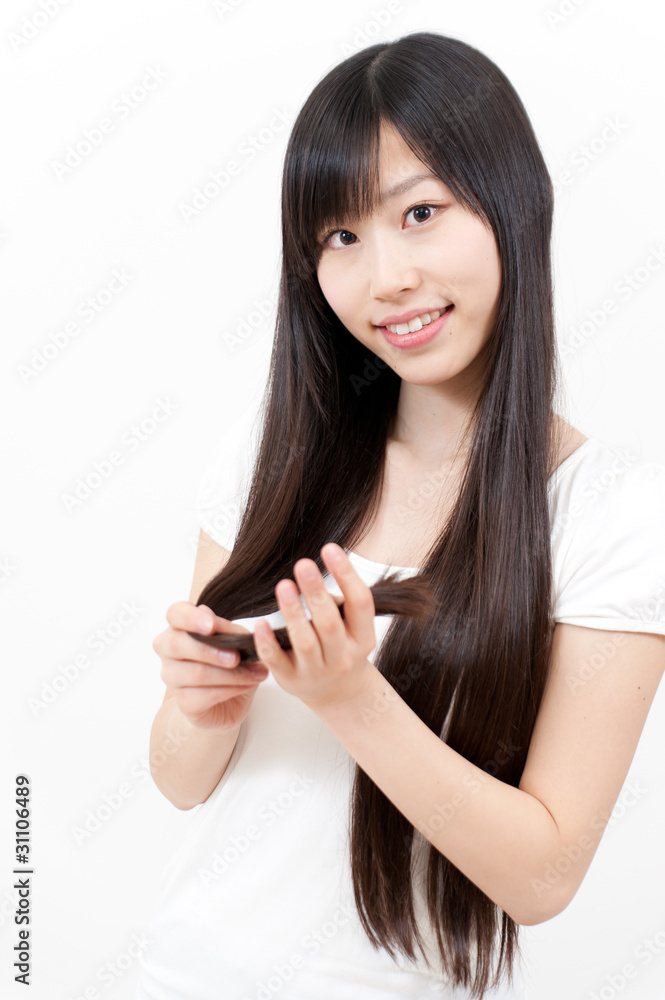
<point x="392" y="271"/>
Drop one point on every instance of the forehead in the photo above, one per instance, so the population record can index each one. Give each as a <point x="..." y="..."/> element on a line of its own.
<point x="396" y="154"/>
<point x="394" y="171"/>
<point x="399" y="167"/>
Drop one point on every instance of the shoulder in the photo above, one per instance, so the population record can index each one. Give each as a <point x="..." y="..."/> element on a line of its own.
<point x="608" y="538"/>
<point x="224" y="484"/>
<point x="602" y="482"/>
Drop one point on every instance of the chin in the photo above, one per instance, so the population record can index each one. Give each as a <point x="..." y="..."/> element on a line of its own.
<point x="431" y="374"/>
<point x="439" y="359"/>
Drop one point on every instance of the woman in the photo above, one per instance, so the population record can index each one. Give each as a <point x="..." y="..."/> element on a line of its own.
<point x="383" y="812"/>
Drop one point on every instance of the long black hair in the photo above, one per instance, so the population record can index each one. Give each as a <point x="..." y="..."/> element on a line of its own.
<point x="475" y="672"/>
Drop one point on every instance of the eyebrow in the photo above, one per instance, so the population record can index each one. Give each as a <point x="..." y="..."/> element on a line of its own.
<point x="406" y="185"/>
<point x="401" y="188"/>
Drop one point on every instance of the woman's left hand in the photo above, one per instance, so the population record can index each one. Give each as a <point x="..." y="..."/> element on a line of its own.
<point x="327" y="664"/>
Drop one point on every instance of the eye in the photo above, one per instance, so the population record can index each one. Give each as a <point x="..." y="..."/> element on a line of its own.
<point x="420" y="208"/>
<point x="325" y="241"/>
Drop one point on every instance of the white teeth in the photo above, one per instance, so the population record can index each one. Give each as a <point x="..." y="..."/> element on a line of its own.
<point x="415" y="324"/>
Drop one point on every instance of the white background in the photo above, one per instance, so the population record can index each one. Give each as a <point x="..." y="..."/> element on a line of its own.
<point x="168" y="336"/>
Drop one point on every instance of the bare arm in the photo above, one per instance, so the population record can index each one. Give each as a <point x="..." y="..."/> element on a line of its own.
<point x="188" y="776"/>
<point x="188" y="758"/>
<point x="528" y="848"/>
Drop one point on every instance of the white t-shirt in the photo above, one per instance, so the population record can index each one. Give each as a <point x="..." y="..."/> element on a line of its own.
<point x="258" y="901"/>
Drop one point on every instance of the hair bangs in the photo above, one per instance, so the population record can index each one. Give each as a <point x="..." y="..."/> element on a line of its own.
<point x="334" y="179"/>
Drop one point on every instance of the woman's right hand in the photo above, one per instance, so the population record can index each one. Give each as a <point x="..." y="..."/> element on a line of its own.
<point x="211" y="694"/>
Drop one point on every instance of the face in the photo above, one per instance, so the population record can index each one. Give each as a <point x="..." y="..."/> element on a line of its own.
<point x="419" y="252"/>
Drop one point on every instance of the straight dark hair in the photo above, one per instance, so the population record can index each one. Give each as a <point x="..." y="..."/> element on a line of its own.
<point x="475" y="671"/>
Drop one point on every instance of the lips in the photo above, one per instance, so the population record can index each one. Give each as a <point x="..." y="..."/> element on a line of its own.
<point x="406" y="341"/>
<point x="425" y="319"/>
<point x="424" y="316"/>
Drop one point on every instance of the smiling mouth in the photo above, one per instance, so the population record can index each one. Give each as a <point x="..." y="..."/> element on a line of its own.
<point x="418" y="323"/>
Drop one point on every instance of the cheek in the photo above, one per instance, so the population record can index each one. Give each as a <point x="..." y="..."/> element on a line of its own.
<point x="331" y="287"/>
<point x="340" y="292"/>
<point x="477" y="268"/>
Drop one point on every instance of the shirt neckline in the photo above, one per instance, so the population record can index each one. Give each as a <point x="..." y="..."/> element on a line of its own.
<point x="372" y="564"/>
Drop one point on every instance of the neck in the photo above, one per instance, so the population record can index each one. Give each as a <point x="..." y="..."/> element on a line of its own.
<point x="430" y="422"/>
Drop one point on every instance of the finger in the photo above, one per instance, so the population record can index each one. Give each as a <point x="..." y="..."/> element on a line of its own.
<point x="196" y="701"/>
<point x="359" y="610"/>
<point x="200" y="618"/>
<point x="190" y="673"/>
<point x="175" y="644"/>
<point x="185" y="615"/>
<point x="301" y="633"/>
<point x="270" y="653"/>
<point x="326" y="618"/>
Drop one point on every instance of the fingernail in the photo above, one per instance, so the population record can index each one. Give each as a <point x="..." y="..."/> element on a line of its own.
<point x="227" y="658"/>
<point x="260" y="672"/>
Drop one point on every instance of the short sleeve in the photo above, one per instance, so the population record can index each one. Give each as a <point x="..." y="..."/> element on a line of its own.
<point x="223" y="489"/>
<point x="609" y="552"/>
